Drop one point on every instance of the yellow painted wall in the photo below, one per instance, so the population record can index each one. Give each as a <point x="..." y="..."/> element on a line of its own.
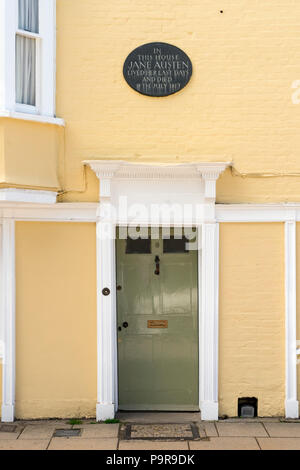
<point x="56" y="319"/>
<point x="232" y="188"/>
<point x="298" y="298"/>
<point x="252" y="354"/>
<point x="237" y="106"/>
<point x="30" y="154"/>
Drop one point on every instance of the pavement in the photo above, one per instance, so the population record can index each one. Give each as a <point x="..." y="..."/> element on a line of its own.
<point x="229" y="434"/>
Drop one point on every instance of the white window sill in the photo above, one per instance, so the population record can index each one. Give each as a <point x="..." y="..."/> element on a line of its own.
<point x="25" y="109"/>
<point x="32" y="117"/>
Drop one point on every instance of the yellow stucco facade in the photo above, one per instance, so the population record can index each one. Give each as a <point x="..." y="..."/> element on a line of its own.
<point x="55" y="320"/>
<point x="232" y="109"/>
<point x="32" y="159"/>
<point x="238" y="107"/>
<point x="252" y="356"/>
<point x="56" y="365"/>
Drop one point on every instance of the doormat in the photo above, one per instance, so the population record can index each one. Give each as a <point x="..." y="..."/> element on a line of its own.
<point x="7" y="428"/>
<point x="67" y="433"/>
<point x="156" y="432"/>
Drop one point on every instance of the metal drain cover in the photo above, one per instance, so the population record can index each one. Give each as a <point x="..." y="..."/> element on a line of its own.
<point x="67" y="433"/>
<point x="7" y="428"/>
<point x="181" y="432"/>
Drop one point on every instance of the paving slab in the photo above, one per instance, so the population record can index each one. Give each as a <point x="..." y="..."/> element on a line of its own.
<point x="279" y="443"/>
<point x="8" y="435"/>
<point x="42" y="431"/>
<point x="153" y="445"/>
<point x="42" y="422"/>
<point x="283" y="429"/>
<point x="231" y="434"/>
<point x="210" y="429"/>
<point x="225" y="443"/>
<point x="34" y="444"/>
<point x="73" y="443"/>
<point x="98" y="430"/>
<point x="241" y="430"/>
<point x="275" y="419"/>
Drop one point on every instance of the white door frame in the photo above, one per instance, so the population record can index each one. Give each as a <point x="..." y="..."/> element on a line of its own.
<point x="8" y="307"/>
<point x="188" y="186"/>
<point x="291" y="395"/>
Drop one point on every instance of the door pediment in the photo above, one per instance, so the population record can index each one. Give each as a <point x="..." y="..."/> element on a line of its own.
<point x="144" y="193"/>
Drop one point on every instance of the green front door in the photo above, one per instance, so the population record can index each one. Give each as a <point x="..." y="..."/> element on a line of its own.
<point x="157" y="302"/>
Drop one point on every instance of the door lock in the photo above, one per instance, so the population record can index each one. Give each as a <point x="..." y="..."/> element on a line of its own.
<point x="125" y="324"/>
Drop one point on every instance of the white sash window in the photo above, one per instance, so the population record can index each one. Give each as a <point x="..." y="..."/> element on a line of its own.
<point x="26" y="52"/>
<point x="27" y="57"/>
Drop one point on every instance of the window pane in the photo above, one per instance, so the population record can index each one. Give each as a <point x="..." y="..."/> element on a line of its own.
<point x="139" y="246"/>
<point x="29" y="15"/>
<point x="174" y="245"/>
<point x="25" y="70"/>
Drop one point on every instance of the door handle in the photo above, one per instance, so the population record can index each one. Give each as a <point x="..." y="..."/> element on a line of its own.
<point x="157" y="261"/>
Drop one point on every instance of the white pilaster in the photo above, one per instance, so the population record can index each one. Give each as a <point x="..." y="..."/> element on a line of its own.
<point x="106" y="330"/>
<point x="209" y="322"/>
<point x="106" y="400"/>
<point x="8" y="310"/>
<point x="291" y="402"/>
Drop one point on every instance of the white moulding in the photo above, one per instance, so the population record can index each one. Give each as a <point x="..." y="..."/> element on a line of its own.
<point x="27" y="195"/>
<point x="32" y="117"/>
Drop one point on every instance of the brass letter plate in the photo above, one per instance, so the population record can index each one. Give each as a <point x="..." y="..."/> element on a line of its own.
<point x="157" y="323"/>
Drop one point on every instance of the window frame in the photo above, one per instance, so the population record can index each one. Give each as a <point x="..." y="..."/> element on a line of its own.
<point x="45" y="58"/>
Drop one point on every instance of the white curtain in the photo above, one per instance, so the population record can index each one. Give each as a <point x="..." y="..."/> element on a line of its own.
<point x="25" y="70"/>
<point x="26" y="53"/>
<point x="29" y="15"/>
